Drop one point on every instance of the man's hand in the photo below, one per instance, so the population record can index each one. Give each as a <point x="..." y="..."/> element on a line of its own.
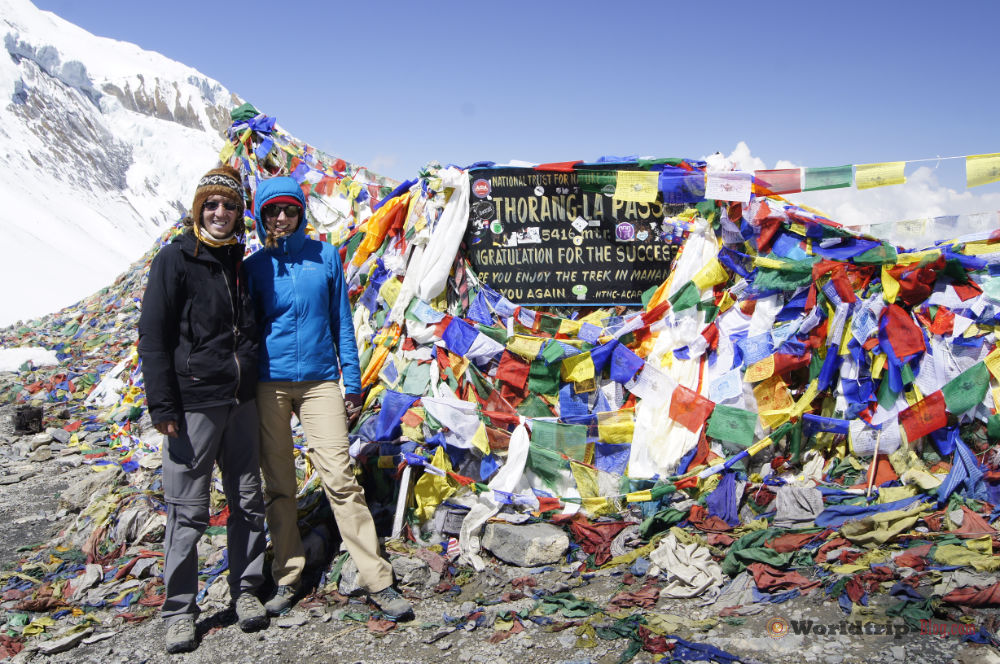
<point x="353" y="403"/>
<point x="167" y="428"/>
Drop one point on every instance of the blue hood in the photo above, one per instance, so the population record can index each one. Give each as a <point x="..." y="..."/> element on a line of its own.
<point x="271" y="189"/>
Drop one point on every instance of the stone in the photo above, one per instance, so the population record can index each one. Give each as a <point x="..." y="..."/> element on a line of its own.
<point x="41" y="454"/>
<point x="38" y="440"/>
<point x="411" y="572"/>
<point x="60" y="435"/>
<point x="65" y="643"/>
<point x="78" y="495"/>
<point x="349" y="585"/>
<point x="526" y="545"/>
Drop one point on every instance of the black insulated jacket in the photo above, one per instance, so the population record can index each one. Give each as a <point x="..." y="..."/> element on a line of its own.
<point x="197" y="333"/>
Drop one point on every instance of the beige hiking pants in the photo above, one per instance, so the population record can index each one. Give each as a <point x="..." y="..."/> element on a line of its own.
<point x="319" y="405"/>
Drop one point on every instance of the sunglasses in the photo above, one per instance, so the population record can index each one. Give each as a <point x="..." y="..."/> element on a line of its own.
<point x="291" y="211"/>
<point x="210" y="206"/>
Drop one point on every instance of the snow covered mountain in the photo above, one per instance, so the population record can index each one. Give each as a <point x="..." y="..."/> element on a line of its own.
<point x="101" y="143"/>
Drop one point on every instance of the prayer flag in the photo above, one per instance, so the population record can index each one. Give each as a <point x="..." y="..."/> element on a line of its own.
<point x="680" y="185"/>
<point x="779" y="181"/>
<point x="967" y="390"/>
<point x="982" y="169"/>
<point x="689" y="409"/>
<point x="832" y="177"/>
<point x="924" y="417"/>
<point x="880" y="175"/>
<point x="728" y="186"/>
<point x="639" y="186"/>
<point x="732" y="424"/>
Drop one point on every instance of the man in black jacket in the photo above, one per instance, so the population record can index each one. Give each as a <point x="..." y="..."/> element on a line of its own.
<point x="198" y="346"/>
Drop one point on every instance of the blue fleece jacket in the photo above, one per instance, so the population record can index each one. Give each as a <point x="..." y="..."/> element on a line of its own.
<point x="301" y="302"/>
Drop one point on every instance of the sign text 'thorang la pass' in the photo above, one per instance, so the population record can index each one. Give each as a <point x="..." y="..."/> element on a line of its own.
<point x="544" y="237"/>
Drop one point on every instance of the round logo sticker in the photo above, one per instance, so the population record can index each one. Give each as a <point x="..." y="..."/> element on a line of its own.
<point x="625" y="232"/>
<point x="580" y="291"/>
<point x="539" y="190"/>
<point x="496" y="227"/>
<point x="578" y="240"/>
<point x="481" y="188"/>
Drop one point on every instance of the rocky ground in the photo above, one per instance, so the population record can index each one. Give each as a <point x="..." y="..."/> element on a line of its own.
<point x="471" y="618"/>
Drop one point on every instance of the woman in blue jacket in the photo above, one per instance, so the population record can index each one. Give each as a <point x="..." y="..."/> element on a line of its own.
<point x="307" y="344"/>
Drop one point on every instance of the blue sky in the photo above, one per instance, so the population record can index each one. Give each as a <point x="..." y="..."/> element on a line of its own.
<point x="396" y="84"/>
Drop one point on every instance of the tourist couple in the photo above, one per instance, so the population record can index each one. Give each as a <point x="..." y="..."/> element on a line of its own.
<point x="229" y="351"/>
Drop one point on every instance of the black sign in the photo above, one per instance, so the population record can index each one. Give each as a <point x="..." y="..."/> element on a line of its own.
<point x="543" y="237"/>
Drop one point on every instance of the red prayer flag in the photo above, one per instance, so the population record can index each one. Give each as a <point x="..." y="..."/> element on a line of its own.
<point x="904" y="335"/>
<point x="778" y="181"/>
<point x="924" y="417"/>
<point x="559" y="166"/>
<point x="689" y="409"/>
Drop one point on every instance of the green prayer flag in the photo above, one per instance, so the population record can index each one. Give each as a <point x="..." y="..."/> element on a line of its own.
<point x="597" y="181"/>
<point x="552" y="352"/>
<point x="548" y="324"/>
<point x="884" y="253"/>
<point x="966" y="390"/>
<point x="534" y="406"/>
<point x="688" y="296"/>
<point x="243" y="112"/>
<point x="497" y="334"/>
<point x="543" y="378"/>
<point x="734" y="425"/>
<point x="831" y="177"/>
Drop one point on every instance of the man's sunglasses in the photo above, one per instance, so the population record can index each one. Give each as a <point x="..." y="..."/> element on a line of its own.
<point x="291" y="211"/>
<point x="210" y="206"/>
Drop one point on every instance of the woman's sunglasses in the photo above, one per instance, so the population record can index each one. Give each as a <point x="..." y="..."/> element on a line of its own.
<point x="210" y="206"/>
<point x="291" y="211"/>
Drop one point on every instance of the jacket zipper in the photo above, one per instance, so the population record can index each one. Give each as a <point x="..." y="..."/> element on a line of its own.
<point x="236" y="334"/>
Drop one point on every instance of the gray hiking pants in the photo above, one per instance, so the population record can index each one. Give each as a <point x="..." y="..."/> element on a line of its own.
<point x="227" y="435"/>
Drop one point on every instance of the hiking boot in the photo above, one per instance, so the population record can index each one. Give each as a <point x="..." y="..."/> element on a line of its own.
<point x="181" y="635"/>
<point x="282" y="600"/>
<point x="392" y="604"/>
<point x="250" y="612"/>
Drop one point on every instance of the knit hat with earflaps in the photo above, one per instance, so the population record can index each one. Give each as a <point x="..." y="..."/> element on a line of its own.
<point x="223" y="181"/>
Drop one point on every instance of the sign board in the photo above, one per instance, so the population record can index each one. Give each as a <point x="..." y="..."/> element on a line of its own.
<point x="541" y="237"/>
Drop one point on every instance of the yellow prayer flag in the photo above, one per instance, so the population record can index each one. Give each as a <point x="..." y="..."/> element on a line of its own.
<point x="639" y="186"/>
<point x="727" y="301"/>
<point x="759" y="445"/>
<point x="480" y="441"/>
<point x="586" y="479"/>
<point x="774" y="401"/>
<point x="577" y="368"/>
<point x="759" y="371"/>
<point x="639" y="496"/>
<point x="879" y="175"/>
<point x="390" y="290"/>
<point x="878" y="364"/>
<point x="226" y="152"/>
<point x="982" y="169"/>
<point x="525" y="346"/>
<point x="431" y="490"/>
<point x="805" y="401"/>
<point x="771" y="263"/>
<point x="596" y="506"/>
<point x="710" y="275"/>
<point x="890" y="287"/>
<point x="569" y="327"/>
<point x="993" y="362"/>
<point x="616" y="426"/>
